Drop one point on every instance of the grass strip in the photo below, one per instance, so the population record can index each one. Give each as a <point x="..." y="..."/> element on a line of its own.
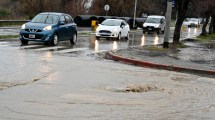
<point x="8" y="36"/>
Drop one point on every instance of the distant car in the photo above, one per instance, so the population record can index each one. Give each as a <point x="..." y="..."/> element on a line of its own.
<point x="192" y="22"/>
<point x="113" y="28"/>
<point x="186" y="22"/>
<point x="49" y="27"/>
<point x="154" y="23"/>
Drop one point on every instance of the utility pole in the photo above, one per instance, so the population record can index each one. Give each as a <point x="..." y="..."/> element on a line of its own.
<point x="135" y="10"/>
<point x="168" y="21"/>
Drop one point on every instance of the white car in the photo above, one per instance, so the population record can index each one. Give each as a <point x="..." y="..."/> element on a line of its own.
<point x="186" y="22"/>
<point x="154" y="23"/>
<point x="191" y="22"/>
<point x="194" y="22"/>
<point x="113" y="28"/>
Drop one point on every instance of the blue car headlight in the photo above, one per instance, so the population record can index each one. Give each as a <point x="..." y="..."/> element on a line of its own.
<point x="23" y="26"/>
<point x="47" y="28"/>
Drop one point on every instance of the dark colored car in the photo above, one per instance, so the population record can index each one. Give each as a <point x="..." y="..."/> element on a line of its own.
<point x="49" y="27"/>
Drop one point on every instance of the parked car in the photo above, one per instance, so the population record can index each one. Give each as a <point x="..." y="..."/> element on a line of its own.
<point x="49" y="27"/>
<point x="113" y="28"/>
<point x="186" y="21"/>
<point x="154" y="23"/>
<point x="192" y="22"/>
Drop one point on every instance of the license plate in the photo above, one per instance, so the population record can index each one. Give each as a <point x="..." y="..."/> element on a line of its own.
<point x="31" y="36"/>
<point x="149" y="28"/>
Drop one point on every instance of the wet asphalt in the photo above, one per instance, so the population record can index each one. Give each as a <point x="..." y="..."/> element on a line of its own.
<point x="16" y="57"/>
<point x="70" y="82"/>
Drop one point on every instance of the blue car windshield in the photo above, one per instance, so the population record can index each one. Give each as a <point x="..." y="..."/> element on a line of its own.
<point x="111" y="23"/>
<point x="45" y="18"/>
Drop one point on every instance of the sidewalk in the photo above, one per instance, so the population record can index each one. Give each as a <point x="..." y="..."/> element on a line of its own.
<point x="196" y="58"/>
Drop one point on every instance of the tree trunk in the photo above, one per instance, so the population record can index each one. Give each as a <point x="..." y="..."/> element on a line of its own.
<point x="177" y="32"/>
<point x="213" y="23"/>
<point x="204" y="32"/>
<point x="182" y="7"/>
<point x="211" y="26"/>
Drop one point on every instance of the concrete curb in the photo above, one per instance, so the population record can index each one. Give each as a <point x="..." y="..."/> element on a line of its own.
<point x="158" y="66"/>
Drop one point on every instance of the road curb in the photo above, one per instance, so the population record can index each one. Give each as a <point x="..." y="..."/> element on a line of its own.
<point x="112" y="56"/>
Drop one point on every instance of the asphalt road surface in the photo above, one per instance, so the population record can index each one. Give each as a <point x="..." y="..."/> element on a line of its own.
<point x="69" y="82"/>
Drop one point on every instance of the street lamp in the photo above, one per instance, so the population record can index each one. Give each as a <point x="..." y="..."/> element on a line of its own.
<point x="135" y="9"/>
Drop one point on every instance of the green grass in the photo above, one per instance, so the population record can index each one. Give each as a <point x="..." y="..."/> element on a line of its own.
<point x="161" y="49"/>
<point x="155" y="48"/>
<point x="3" y="24"/>
<point x="207" y="38"/>
<point x="8" y="36"/>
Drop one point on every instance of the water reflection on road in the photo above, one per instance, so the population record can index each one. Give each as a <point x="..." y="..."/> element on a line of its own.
<point x="85" y="45"/>
<point x="137" y="38"/>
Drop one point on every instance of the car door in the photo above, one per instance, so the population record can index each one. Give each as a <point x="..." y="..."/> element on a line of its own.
<point x="163" y="24"/>
<point x="125" y="28"/>
<point x="62" y="28"/>
<point x="70" y="26"/>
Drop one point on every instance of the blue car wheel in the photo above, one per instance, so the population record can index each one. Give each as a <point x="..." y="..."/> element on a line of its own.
<point x="74" y="39"/>
<point x="55" y="40"/>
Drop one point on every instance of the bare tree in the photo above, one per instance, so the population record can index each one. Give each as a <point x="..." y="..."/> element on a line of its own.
<point x="206" y="10"/>
<point x="77" y="7"/>
<point x="182" y="7"/>
<point x="126" y="7"/>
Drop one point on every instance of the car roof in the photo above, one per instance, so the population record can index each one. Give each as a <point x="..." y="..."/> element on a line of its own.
<point x="156" y="16"/>
<point x="116" y="19"/>
<point x="53" y="13"/>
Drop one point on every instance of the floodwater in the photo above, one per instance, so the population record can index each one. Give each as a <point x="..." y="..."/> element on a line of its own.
<point x="46" y="84"/>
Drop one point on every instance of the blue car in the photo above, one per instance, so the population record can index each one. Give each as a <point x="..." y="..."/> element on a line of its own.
<point x="49" y="27"/>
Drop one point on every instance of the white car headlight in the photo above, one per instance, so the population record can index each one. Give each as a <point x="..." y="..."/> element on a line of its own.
<point x="97" y="29"/>
<point x="47" y="28"/>
<point x="156" y="26"/>
<point x="23" y="26"/>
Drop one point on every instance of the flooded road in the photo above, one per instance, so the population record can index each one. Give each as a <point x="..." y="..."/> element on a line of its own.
<point x="15" y="57"/>
<point x="68" y="82"/>
<point x="77" y="88"/>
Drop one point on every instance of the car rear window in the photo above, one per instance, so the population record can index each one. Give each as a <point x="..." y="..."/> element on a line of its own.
<point x="45" y="18"/>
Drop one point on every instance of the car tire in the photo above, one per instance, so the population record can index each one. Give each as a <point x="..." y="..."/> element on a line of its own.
<point x="158" y="31"/>
<point x="24" y="42"/>
<point x="163" y="31"/>
<point x="128" y="36"/>
<point x="55" y="40"/>
<point x="119" y="36"/>
<point x="74" y="39"/>
<point x="98" y="38"/>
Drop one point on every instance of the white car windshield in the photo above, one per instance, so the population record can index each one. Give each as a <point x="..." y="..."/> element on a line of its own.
<point x="153" y="20"/>
<point x="45" y="18"/>
<point x="194" y="20"/>
<point x="111" y="23"/>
